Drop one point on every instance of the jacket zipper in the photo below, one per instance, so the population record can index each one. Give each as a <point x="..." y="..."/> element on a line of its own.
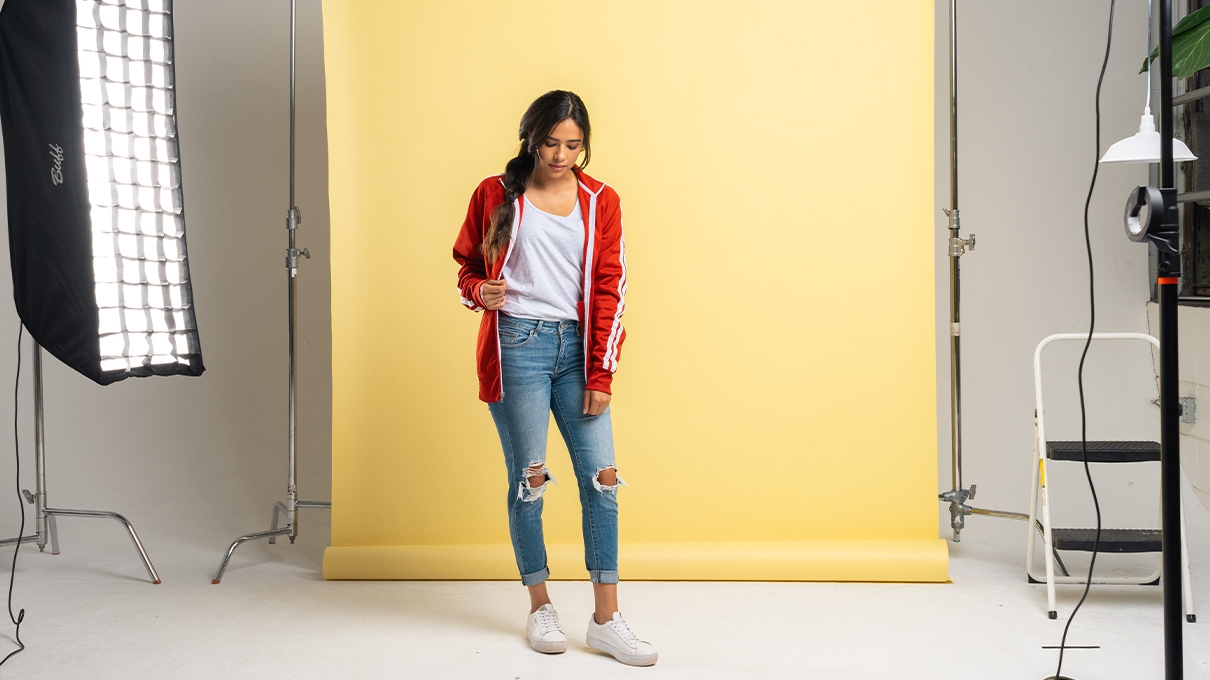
<point x="512" y="239"/>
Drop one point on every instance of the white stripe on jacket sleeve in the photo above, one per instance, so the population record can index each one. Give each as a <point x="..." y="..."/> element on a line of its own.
<point x="470" y="304"/>
<point x="610" y="362"/>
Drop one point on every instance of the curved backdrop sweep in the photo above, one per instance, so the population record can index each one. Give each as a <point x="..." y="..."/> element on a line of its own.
<point x="774" y="407"/>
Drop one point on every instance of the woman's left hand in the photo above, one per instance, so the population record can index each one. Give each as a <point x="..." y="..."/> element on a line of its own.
<point x="595" y="402"/>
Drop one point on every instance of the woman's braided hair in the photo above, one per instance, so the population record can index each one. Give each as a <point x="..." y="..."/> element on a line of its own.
<point x="540" y="118"/>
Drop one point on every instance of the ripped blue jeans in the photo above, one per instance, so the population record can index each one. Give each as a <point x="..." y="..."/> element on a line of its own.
<point x="542" y="363"/>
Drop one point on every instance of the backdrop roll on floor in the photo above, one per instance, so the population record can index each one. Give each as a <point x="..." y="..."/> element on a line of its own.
<point x="774" y="409"/>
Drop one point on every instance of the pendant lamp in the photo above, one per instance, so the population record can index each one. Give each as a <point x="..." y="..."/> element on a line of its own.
<point x="1144" y="147"/>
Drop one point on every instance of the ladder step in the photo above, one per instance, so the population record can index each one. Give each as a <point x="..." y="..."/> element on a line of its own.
<point x="1112" y="540"/>
<point x="1105" y="451"/>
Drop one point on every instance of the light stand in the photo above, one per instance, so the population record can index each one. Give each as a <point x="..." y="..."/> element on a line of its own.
<point x="44" y="517"/>
<point x="958" y="496"/>
<point x="292" y="505"/>
<point x="1151" y="216"/>
<point x="1169" y="271"/>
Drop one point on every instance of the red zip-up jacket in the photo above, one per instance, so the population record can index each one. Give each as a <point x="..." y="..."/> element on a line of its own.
<point x="603" y="294"/>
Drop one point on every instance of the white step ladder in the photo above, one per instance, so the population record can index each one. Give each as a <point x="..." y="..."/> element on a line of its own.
<point x="1112" y="540"/>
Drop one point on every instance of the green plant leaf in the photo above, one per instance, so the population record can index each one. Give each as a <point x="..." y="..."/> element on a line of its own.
<point x="1191" y="21"/>
<point x="1196" y="20"/>
<point x="1193" y="54"/>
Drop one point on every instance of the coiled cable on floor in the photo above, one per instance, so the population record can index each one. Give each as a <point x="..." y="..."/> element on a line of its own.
<point x="20" y="616"/>
<point x="1092" y="324"/>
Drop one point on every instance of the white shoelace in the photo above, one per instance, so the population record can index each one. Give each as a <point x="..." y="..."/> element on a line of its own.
<point x="619" y="626"/>
<point x="547" y="621"/>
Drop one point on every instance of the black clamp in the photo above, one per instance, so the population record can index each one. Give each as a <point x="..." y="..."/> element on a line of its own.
<point x="1151" y="216"/>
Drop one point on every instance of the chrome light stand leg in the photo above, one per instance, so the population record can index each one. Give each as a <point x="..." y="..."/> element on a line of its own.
<point x="958" y="496"/>
<point x="44" y="517"/>
<point x="292" y="505"/>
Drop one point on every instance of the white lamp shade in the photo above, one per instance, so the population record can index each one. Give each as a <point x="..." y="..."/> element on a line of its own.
<point x="1145" y="146"/>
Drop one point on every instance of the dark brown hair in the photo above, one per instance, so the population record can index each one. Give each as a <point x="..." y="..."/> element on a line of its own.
<point x="540" y="118"/>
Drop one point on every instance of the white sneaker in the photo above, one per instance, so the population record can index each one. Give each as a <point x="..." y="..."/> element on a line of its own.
<point x="543" y="631"/>
<point x="614" y="637"/>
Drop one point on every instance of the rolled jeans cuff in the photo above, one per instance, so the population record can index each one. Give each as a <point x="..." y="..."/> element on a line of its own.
<point x="537" y="577"/>
<point x="603" y="575"/>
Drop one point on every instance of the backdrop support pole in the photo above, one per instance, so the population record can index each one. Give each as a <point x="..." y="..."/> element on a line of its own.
<point x="293" y="218"/>
<point x="44" y="517"/>
<point x="958" y="496"/>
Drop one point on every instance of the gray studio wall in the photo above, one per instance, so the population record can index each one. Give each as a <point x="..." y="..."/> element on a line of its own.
<point x="204" y="458"/>
<point x="1027" y="81"/>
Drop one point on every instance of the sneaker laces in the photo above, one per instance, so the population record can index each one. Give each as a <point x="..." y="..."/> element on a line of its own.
<point x="547" y="621"/>
<point x="619" y="626"/>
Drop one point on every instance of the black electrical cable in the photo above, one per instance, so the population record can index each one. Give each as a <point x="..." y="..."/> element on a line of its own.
<point x="20" y="501"/>
<point x="1092" y="324"/>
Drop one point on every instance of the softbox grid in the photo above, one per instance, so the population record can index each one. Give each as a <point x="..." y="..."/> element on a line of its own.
<point x="143" y="292"/>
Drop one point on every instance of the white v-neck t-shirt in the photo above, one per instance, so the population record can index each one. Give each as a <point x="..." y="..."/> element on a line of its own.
<point x="545" y="266"/>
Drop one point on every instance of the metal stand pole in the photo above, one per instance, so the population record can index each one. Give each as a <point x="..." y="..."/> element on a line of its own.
<point x="1152" y="216"/>
<point x="293" y="218"/>
<point x="1170" y="434"/>
<point x="1170" y="482"/>
<point x="47" y="531"/>
<point x="958" y="496"/>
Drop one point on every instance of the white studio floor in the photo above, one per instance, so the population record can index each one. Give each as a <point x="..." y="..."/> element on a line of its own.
<point x="91" y="614"/>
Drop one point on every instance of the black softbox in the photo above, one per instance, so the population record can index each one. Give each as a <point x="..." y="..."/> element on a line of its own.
<point x="95" y="218"/>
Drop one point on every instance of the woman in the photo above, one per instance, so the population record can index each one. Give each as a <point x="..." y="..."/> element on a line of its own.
<point x="541" y="251"/>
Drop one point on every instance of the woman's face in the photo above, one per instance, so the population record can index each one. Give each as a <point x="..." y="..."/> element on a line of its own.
<point x="560" y="151"/>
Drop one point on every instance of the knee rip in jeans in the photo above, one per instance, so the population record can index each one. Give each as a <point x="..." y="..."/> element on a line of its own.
<point x="526" y="491"/>
<point x="608" y="488"/>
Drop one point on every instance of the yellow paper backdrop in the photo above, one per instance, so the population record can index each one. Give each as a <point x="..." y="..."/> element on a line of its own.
<point x="774" y="409"/>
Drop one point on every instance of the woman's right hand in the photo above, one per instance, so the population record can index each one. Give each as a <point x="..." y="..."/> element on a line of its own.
<point x="492" y="293"/>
